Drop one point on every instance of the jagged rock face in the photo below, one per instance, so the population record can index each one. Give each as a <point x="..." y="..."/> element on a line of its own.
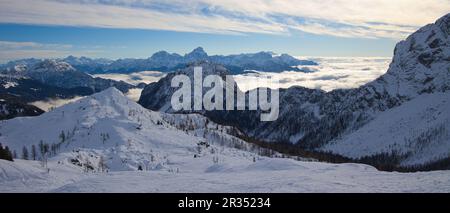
<point x="421" y="63"/>
<point x="157" y="96"/>
<point x="312" y="118"/>
<point x="197" y="54"/>
<point x="261" y="61"/>
<point x="86" y="64"/>
<point x="164" y="59"/>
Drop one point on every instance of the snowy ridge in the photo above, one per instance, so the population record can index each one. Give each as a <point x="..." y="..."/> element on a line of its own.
<point x="124" y="135"/>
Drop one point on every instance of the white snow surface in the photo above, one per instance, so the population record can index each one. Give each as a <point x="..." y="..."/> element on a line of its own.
<point x="9" y="84"/>
<point x="232" y="175"/>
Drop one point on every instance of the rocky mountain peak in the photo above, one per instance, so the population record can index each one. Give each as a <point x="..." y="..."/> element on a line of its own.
<point x="197" y="54"/>
<point x="421" y="63"/>
<point x="50" y="65"/>
<point x="208" y="68"/>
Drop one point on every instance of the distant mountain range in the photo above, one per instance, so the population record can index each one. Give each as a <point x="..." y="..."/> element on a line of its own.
<point x="166" y="62"/>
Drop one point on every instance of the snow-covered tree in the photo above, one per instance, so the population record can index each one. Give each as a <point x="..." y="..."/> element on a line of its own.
<point x="216" y="159"/>
<point x="44" y="151"/>
<point x="102" y="167"/>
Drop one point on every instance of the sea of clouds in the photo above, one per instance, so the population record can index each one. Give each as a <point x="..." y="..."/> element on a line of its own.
<point x="134" y="78"/>
<point x="48" y="105"/>
<point x="331" y="73"/>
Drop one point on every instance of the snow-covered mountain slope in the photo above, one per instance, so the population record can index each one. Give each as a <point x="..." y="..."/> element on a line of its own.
<point x="79" y="63"/>
<point x="123" y="134"/>
<point x="62" y="74"/>
<point x="86" y="64"/>
<point x="419" y="130"/>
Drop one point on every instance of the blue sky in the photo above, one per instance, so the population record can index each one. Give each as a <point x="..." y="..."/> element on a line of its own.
<point x="138" y="28"/>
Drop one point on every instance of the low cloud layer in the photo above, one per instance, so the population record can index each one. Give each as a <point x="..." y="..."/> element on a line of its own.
<point x="134" y="78"/>
<point x="50" y="104"/>
<point x="134" y="94"/>
<point x="332" y="73"/>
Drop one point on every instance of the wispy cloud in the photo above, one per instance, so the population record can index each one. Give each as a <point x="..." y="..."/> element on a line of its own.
<point x="13" y="45"/>
<point x="11" y="50"/>
<point x="343" y="18"/>
<point x="101" y="15"/>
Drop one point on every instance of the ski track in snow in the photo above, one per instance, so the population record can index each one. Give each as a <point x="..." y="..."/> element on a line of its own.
<point x="247" y="176"/>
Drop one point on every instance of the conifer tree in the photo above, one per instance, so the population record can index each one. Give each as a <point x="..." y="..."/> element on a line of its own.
<point x="24" y="153"/>
<point x="14" y="154"/>
<point x="7" y="154"/>
<point x="33" y="152"/>
<point x="2" y="152"/>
